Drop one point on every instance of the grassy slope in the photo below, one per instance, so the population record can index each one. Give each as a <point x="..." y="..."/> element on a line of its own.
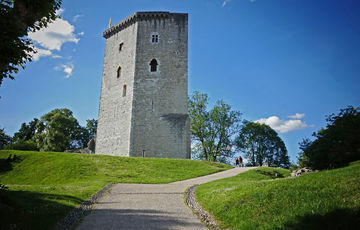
<point x="43" y="187"/>
<point x="324" y="200"/>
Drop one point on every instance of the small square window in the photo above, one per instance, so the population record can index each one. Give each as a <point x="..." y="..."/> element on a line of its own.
<point x="155" y="38"/>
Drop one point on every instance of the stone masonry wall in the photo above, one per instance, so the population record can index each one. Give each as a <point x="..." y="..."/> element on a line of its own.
<point x="113" y="132"/>
<point x="160" y="123"/>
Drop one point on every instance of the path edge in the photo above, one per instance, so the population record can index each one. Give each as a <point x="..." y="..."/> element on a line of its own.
<point x="202" y="214"/>
<point x="73" y="218"/>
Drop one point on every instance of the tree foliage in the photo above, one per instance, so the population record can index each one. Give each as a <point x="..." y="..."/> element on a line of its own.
<point x="303" y="159"/>
<point x="57" y="130"/>
<point x="27" y="145"/>
<point x="337" y="144"/>
<point x="212" y="131"/>
<point x="91" y="126"/>
<point x="26" y="131"/>
<point x="4" y="138"/>
<point x="17" y="18"/>
<point x="84" y="134"/>
<point x="261" y="144"/>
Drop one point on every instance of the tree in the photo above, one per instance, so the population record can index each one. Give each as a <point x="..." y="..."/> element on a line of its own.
<point x="24" y="139"/>
<point x="303" y="159"/>
<point x="26" y="131"/>
<point x="57" y="130"/>
<point x="17" y="18"/>
<point x="91" y="126"/>
<point x="83" y="135"/>
<point x="4" y="138"/>
<point x="337" y="144"/>
<point x="212" y="131"/>
<point x="262" y="144"/>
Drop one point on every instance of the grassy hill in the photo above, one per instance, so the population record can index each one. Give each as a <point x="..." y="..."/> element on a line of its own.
<point x="256" y="200"/>
<point x="44" y="187"/>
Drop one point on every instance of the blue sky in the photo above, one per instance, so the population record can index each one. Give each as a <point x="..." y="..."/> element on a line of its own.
<point x="287" y="63"/>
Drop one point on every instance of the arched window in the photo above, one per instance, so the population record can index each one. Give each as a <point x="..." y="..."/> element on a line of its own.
<point x="119" y="72"/>
<point x="124" y="91"/>
<point x="153" y="65"/>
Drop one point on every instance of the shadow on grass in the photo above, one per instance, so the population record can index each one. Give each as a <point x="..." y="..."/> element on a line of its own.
<point x="31" y="210"/>
<point x="5" y="166"/>
<point x="273" y="174"/>
<point x="336" y="219"/>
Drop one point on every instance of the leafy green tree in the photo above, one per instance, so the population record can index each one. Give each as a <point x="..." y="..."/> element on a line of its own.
<point x="337" y="144"/>
<point x="57" y="130"/>
<point x="91" y="126"/>
<point x="212" y="131"/>
<point x="28" y="145"/>
<point x="261" y="144"/>
<point x="24" y="139"/>
<point x="83" y="135"/>
<point x="303" y="159"/>
<point x="4" y="138"/>
<point x="80" y="138"/>
<point x="17" y="18"/>
<point x="26" y="131"/>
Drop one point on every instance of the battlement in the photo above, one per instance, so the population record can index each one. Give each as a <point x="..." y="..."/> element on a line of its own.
<point x="139" y="16"/>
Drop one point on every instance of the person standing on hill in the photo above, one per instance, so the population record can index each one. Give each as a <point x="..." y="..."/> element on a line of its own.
<point x="240" y="161"/>
<point x="237" y="162"/>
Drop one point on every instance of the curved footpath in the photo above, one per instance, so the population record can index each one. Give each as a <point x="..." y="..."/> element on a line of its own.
<point x="149" y="206"/>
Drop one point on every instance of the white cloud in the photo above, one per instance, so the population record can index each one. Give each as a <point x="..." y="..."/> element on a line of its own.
<point x="56" y="56"/>
<point x="66" y="68"/>
<point x="59" y="11"/>
<point x="283" y="126"/>
<point x="43" y="53"/>
<point x="40" y="53"/>
<point x="55" y="35"/>
<point x="297" y="116"/>
<point x="76" y="17"/>
<point x="225" y="2"/>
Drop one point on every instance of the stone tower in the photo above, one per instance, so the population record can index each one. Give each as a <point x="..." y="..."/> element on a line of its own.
<point x="143" y="103"/>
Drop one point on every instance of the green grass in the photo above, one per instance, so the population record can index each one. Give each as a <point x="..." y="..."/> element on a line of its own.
<point x="44" y="187"/>
<point x="255" y="200"/>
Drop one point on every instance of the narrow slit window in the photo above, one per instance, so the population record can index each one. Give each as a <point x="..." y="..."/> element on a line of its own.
<point x="124" y="91"/>
<point x="118" y="72"/>
<point x="153" y="65"/>
<point x="121" y="46"/>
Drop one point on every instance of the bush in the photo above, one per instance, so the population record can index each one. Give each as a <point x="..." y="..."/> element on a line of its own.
<point x="28" y="145"/>
<point x="336" y="145"/>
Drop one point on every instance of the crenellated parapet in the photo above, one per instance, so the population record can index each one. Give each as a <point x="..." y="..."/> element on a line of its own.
<point x="138" y="16"/>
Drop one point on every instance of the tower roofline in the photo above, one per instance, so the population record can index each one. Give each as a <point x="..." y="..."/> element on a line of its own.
<point x="138" y="16"/>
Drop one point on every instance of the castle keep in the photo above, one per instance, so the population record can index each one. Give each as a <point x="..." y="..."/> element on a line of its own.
<point x="143" y="103"/>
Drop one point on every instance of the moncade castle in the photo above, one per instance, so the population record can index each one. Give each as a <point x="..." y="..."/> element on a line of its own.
<point x="143" y="103"/>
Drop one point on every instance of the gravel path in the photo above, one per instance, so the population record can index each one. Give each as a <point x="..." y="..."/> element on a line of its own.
<point x="149" y="206"/>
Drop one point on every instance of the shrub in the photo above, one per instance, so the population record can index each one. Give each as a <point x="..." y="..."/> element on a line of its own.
<point x="338" y="144"/>
<point x="28" y="145"/>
